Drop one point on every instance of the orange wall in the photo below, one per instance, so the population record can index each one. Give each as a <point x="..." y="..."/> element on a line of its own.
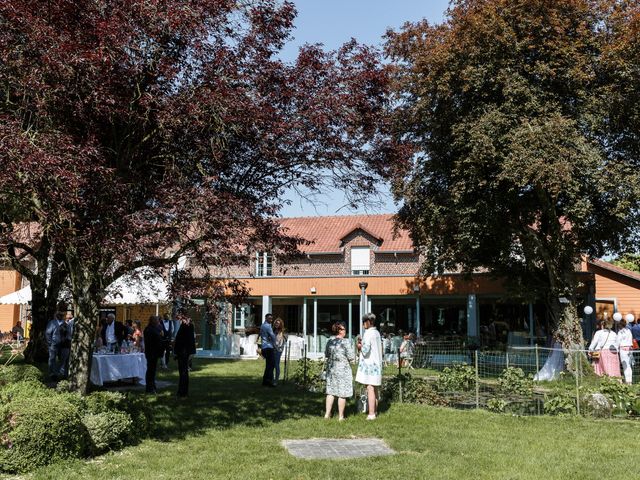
<point x="9" y="283"/>
<point x="624" y="289"/>
<point x="348" y="286"/>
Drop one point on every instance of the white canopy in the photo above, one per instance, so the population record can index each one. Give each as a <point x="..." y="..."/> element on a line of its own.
<point x="21" y="297"/>
<point x="141" y="287"/>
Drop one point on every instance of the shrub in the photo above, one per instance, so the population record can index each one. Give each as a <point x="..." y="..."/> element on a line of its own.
<point x="38" y="431"/>
<point x="622" y="396"/>
<point x="17" y="373"/>
<point x="102" y="402"/>
<point x="414" y="390"/>
<point x="108" y="430"/>
<point x="457" y="378"/>
<point x="515" y="381"/>
<point x="26" y="389"/>
<point x="137" y="408"/>
<point x="313" y="381"/>
<point x="560" y="402"/>
<point x="497" y="405"/>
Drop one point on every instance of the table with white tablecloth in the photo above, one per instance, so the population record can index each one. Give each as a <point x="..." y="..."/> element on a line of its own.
<point x="110" y="368"/>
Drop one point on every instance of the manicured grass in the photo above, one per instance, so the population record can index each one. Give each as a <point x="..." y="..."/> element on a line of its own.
<point x="231" y="427"/>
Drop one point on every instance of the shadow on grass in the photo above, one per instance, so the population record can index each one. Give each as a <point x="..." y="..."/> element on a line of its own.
<point x="222" y="396"/>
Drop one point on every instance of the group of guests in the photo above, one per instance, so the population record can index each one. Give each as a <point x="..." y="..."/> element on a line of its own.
<point x="183" y="345"/>
<point x="339" y="354"/>
<point x="609" y="350"/>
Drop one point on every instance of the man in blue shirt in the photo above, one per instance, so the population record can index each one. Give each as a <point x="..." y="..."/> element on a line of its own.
<point x="268" y="339"/>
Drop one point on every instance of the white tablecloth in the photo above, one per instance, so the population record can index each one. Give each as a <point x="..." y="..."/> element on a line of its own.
<point x="109" y="368"/>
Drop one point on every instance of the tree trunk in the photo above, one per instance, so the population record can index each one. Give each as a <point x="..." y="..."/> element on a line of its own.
<point x="84" y="327"/>
<point x="85" y="286"/>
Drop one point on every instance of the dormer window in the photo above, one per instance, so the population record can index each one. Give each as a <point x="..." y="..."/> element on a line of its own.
<point x="264" y="264"/>
<point x="360" y="260"/>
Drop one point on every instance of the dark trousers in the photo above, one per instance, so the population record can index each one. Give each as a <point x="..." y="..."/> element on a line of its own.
<point x="150" y="376"/>
<point x="183" y="370"/>
<point x="167" y="353"/>
<point x="269" y="356"/>
<point x="55" y="360"/>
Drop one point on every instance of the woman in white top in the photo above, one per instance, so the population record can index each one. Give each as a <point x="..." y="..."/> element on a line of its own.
<point x="624" y="344"/>
<point x="370" y="362"/>
<point x="604" y="342"/>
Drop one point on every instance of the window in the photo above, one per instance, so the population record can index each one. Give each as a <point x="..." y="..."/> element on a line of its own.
<point x="264" y="264"/>
<point x="239" y="315"/>
<point x="360" y="260"/>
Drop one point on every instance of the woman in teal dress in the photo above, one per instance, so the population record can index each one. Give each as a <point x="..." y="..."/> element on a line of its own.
<point x="339" y="355"/>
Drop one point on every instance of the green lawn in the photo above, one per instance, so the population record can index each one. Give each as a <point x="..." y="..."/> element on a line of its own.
<point x="231" y="427"/>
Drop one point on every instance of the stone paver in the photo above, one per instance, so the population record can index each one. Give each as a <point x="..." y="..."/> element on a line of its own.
<point x="329" y="449"/>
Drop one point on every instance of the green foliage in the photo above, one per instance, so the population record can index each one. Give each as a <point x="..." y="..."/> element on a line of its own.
<point x="622" y="395"/>
<point x="497" y="405"/>
<point x="37" y="431"/>
<point x="135" y="407"/>
<point x="414" y="390"/>
<point x="459" y="377"/>
<point x="501" y="103"/>
<point x="26" y="389"/>
<point x="560" y="402"/>
<point x="515" y="381"/>
<point x="314" y="369"/>
<point x="104" y="401"/>
<point x="15" y="373"/>
<point x="628" y="261"/>
<point x="108" y="430"/>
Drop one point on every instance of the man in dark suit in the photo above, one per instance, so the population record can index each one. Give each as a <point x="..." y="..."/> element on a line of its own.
<point x="184" y="347"/>
<point x="113" y="333"/>
<point x="167" y="338"/>
<point x="54" y="334"/>
<point x="152" y="351"/>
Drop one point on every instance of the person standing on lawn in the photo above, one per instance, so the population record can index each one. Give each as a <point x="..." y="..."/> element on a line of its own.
<point x="184" y="347"/>
<point x="152" y="351"/>
<point x="624" y="344"/>
<point x="370" y="363"/>
<point x="268" y="342"/>
<point x="281" y="339"/>
<point x="339" y="356"/>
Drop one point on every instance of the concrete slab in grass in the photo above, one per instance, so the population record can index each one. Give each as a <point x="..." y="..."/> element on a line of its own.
<point x="336" y="449"/>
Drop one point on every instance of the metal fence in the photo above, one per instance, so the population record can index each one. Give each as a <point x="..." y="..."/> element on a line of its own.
<point x="522" y="380"/>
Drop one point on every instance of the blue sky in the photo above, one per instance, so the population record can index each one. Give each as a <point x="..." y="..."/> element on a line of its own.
<point x="332" y="23"/>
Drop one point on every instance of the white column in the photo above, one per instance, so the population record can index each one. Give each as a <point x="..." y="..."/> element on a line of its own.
<point x="304" y="320"/>
<point x="315" y="324"/>
<point x="472" y="316"/>
<point x="350" y="318"/>
<point x="266" y="306"/>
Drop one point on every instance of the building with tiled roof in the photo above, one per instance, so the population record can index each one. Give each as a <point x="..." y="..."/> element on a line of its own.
<point x="352" y="264"/>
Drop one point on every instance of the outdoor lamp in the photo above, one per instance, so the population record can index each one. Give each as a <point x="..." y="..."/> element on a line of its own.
<point x="588" y="310"/>
<point x="629" y="317"/>
<point x="617" y="316"/>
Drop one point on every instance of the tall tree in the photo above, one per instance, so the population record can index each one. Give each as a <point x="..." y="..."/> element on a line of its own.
<point x="169" y="129"/>
<point x="513" y="168"/>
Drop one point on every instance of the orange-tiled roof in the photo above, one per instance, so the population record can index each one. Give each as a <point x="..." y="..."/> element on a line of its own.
<point x="327" y="233"/>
